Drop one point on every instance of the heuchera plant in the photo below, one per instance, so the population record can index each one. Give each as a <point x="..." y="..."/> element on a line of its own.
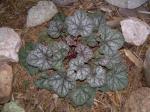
<point x="82" y="57"/>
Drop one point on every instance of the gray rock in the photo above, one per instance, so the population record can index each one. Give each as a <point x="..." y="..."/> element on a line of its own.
<point x="130" y="4"/>
<point x="6" y="78"/>
<point x="10" y="44"/>
<point x="64" y="2"/>
<point x="135" y="31"/>
<point x="41" y="13"/>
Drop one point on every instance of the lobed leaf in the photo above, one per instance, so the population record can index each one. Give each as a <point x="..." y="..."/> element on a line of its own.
<point x="83" y="95"/>
<point x="60" y="49"/>
<point x="61" y="84"/>
<point x="40" y="57"/>
<point x="79" y="24"/>
<point x="98" y="77"/>
<point x="77" y="69"/>
<point x="98" y="20"/>
<point x="58" y="82"/>
<point x="55" y="28"/>
<point x="84" y="51"/>
<point x="46" y="57"/>
<point x="23" y="53"/>
<point x="117" y="78"/>
<point x="109" y="60"/>
<point x="111" y="41"/>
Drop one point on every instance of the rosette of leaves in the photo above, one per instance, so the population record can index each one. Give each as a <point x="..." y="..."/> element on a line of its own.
<point x="111" y="41"/>
<point x="77" y="69"/>
<point x="98" y="77"/>
<point x="84" y="51"/>
<point x="116" y="79"/>
<point x="55" y="28"/>
<point x="79" y="24"/>
<point x="83" y="95"/>
<point x="23" y="53"/>
<point x="109" y="60"/>
<point x="59" y="82"/>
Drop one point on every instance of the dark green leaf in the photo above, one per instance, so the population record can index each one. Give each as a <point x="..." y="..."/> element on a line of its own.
<point x="23" y="53"/>
<point x="111" y="41"/>
<point x="83" y="95"/>
<point x="117" y="78"/>
<point x="90" y="40"/>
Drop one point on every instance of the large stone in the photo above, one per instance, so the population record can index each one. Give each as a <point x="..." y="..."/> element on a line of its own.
<point x="138" y="101"/>
<point x="135" y="31"/>
<point x="6" y="78"/>
<point x="41" y="13"/>
<point x="130" y="4"/>
<point x="64" y="2"/>
<point x="10" y="44"/>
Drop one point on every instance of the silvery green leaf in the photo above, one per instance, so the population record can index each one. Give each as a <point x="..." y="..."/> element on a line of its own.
<point x="79" y="24"/>
<point x="77" y="69"/>
<point x="58" y="65"/>
<point x="109" y="60"/>
<point x="40" y="57"/>
<point x="83" y="95"/>
<point x="84" y="51"/>
<point x="60" y="49"/>
<point x="111" y="41"/>
<point x="117" y="78"/>
<point x="98" y="77"/>
<point x="55" y="28"/>
<point x="61" y="84"/>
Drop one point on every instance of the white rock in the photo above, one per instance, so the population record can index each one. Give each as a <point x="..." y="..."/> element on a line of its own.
<point x="41" y="13"/>
<point x="135" y="31"/>
<point x="130" y="4"/>
<point x="10" y="44"/>
<point x="6" y="78"/>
